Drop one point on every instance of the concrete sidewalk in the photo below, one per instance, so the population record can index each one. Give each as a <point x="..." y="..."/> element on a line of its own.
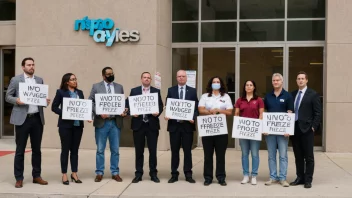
<point x="332" y="178"/>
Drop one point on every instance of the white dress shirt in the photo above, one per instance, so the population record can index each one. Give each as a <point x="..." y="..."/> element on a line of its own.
<point x="302" y="94"/>
<point x="31" y="80"/>
<point x="184" y="91"/>
<point x="111" y="87"/>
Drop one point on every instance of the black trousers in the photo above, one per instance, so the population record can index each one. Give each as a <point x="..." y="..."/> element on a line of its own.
<point x="219" y="144"/>
<point x="70" y="141"/>
<point x="303" y="148"/>
<point x="139" y="143"/>
<point x="184" y="138"/>
<point x="32" y="127"/>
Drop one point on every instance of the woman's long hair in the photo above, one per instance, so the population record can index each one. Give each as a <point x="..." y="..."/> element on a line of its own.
<point x="65" y="80"/>
<point x="222" y="89"/>
<point x="244" y="93"/>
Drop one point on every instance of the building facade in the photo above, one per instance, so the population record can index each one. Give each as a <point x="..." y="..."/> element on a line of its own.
<point x="234" y="39"/>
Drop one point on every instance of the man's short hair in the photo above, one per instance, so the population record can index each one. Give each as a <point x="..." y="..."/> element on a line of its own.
<point x="25" y="59"/>
<point x="278" y="75"/>
<point x="104" y="70"/>
<point x="145" y="73"/>
<point x="303" y="72"/>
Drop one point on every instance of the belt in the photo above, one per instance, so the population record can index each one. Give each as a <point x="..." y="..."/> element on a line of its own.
<point x="181" y="121"/>
<point x="29" y="115"/>
<point x="110" y="118"/>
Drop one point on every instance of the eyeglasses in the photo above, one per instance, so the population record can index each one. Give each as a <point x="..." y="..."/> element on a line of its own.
<point x="73" y="79"/>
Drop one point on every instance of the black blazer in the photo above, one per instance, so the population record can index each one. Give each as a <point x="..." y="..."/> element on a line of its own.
<point x="310" y="110"/>
<point x="56" y="107"/>
<point x="191" y="94"/>
<point x="137" y="122"/>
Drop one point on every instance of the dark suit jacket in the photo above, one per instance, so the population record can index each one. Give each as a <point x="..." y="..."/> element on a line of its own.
<point x="56" y="107"/>
<point x="191" y="94"/>
<point x="310" y="110"/>
<point x="137" y="122"/>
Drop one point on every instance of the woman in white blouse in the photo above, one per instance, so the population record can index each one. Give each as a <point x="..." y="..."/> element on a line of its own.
<point x="215" y="101"/>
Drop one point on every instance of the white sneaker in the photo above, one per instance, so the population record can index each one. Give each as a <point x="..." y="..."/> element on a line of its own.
<point x="254" y="180"/>
<point x="284" y="183"/>
<point x="245" y="179"/>
<point x="271" y="181"/>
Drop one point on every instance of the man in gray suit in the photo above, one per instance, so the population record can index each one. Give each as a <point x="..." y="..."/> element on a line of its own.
<point x="28" y="121"/>
<point x="107" y="127"/>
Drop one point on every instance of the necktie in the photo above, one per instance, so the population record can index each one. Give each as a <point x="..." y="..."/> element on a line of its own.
<point x="109" y="89"/>
<point x="145" y="117"/>
<point x="297" y="105"/>
<point x="181" y="93"/>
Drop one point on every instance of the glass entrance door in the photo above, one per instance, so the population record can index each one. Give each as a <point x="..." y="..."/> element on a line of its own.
<point x="7" y="71"/>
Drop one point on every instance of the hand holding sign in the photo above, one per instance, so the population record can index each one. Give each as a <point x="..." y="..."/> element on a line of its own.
<point x="144" y="104"/>
<point x="179" y="109"/>
<point x="76" y="109"/>
<point x="110" y="104"/>
<point x="247" y="128"/>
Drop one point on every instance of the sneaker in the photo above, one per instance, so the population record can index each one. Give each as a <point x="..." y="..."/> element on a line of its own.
<point x="284" y="183"/>
<point x="245" y="179"/>
<point x="271" y="181"/>
<point x="254" y="180"/>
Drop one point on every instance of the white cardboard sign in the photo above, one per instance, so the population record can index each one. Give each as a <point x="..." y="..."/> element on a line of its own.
<point x="179" y="109"/>
<point x="76" y="109"/>
<point x="33" y="94"/>
<point x="279" y="123"/>
<point x="144" y="104"/>
<point x="212" y="125"/>
<point x="109" y="104"/>
<point x="247" y="128"/>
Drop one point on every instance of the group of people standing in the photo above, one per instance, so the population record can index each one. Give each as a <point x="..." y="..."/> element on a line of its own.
<point x="304" y="102"/>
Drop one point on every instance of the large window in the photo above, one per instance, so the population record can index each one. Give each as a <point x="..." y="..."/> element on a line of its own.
<point x="7" y="10"/>
<point x="248" y="20"/>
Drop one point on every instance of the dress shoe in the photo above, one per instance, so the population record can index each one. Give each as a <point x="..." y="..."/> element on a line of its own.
<point x="137" y="179"/>
<point x="40" y="181"/>
<point x="98" y="178"/>
<point x="307" y="185"/>
<point x="155" y="179"/>
<point x="173" y="179"/>
<point x="76" y="181"/>
<point x="19" y="184"/>
<point x="297" y="181"/>
<point x="207" y="182"/>
<point x="117" y="178"/>
<point x="66" y="182"/>
<point x="190" y="180"/>
<point x="222" y="182"/>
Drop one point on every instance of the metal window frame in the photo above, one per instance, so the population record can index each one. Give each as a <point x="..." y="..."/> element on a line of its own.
<point x="262" y="44"/>
<point x="2" y="93"/>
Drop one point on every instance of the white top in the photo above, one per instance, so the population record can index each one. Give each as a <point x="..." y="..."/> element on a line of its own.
<point x="145" y="92"/>
<point x="302" y="94"/>
<point x="213" y="102"/>
<point x="184" y="91"/>
<point x="31" y="80"/>
<point x="111" y="87"/>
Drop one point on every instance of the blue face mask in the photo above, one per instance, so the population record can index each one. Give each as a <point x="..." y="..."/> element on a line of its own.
<point x="215" y="86"/>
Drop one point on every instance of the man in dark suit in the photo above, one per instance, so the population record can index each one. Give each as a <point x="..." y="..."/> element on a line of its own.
<point x="107" y="127"/>
<point x="181" y="132"/>
<point x="146" y="126"/>
<point x="28" y="121"/>
<point x="307" y="120"/>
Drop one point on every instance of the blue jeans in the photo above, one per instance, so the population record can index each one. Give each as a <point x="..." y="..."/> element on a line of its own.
<point x="111" y="131"/>
<point x="253" y="146"/>
<point x="275" y="142"/>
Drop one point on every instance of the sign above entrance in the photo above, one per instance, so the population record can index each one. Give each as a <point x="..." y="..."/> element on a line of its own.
<point x="103" y="31"/>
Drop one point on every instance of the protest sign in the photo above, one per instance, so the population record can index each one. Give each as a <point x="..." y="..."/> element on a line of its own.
<point x="33" y="94"/>
<point x="212" y="125"/>
<point x="76" y="109"/>
<point x="109" y="104"/>
<point x="144" y="104"/>
<point x="247" y="128"/>
<point x="279" y="123"/>
<point x="179" y="109"/>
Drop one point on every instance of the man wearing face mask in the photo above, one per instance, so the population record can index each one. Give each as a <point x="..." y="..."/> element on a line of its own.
<point x="107" y="127"/>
